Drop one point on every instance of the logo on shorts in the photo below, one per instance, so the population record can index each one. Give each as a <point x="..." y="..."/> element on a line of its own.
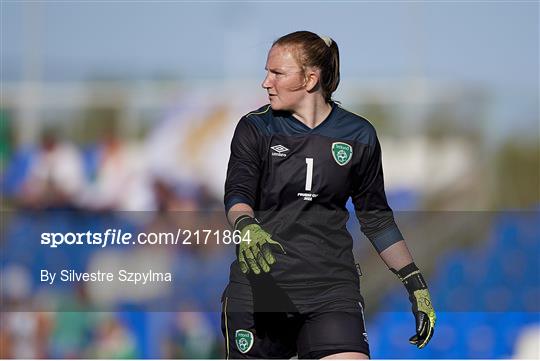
<point x="244" y="340"/>
<point x="342" y="153"/>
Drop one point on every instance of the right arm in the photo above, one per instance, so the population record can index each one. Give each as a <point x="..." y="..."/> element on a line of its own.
<point x="243" y="172"/>
<point x="241" y="193"/>
<point x="237" y="210"/>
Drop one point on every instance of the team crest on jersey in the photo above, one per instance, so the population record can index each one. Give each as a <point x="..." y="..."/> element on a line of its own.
<point x="342" y="152"/>
<point x="244" y="340"/>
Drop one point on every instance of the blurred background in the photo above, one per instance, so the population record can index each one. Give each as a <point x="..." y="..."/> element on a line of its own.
<point x="115" y="109"/>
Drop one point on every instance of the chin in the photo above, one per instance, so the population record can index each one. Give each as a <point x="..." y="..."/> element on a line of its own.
<point x="276" y="106"/>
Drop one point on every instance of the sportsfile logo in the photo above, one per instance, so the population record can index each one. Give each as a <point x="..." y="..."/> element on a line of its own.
<point x="279" y="150"/>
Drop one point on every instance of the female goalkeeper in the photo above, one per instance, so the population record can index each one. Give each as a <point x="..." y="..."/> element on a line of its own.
<point x="294" y="163"/>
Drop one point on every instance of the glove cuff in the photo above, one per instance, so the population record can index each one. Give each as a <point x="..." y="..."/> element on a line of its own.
<point x="244" y="221"/>
<point x="411" y="277"/>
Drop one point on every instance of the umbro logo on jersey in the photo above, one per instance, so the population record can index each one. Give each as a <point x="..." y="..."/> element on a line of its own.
<point x="279" y="150"/>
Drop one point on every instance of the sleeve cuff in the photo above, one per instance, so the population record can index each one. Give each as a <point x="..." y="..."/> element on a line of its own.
<point x="231" y="201"/>
<point x="386" y="238"/>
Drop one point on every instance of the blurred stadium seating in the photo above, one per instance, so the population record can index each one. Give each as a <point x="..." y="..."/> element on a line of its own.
<point x="484" y="298"/>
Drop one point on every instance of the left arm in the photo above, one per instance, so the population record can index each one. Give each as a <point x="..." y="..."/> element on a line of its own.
<point x="377" y="223"/>
<point x="397" y="255"/>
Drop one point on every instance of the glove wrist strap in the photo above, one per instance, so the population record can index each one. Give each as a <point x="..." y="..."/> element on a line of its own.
<point x="411" y="277"/>
<point x="244" y="221"/>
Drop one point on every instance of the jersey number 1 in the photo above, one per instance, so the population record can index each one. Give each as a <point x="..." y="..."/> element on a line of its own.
<point x="309" y="174"/>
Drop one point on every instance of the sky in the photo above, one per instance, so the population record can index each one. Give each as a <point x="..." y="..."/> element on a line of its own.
<point x="495" y="43"/>
<point x="486" y="44"/>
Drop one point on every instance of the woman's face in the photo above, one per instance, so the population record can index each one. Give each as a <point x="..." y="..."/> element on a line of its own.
<point x="284" y="81"/>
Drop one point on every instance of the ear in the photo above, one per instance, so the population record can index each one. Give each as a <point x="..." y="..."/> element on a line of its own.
<point x="312" y="78"/>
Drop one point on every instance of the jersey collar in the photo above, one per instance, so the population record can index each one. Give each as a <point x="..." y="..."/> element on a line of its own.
<point x="301" y="127"/>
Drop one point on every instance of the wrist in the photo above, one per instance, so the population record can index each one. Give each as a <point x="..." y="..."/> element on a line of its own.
<point x="411" y="278"/>
<point x="244" y="221"/>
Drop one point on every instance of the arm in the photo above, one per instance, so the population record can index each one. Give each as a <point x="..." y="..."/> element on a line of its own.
<point x="243" y="171"/>
<point x="397" y="255"/>
<point x="241" y="191"/>
<point x="398" y="258"/>
<point x="377" y="222"/>
<point x="369" y="199"/>
<point x="238" y="210"/>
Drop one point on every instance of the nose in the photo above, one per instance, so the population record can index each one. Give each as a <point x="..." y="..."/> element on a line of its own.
<point x="266" y="82"/>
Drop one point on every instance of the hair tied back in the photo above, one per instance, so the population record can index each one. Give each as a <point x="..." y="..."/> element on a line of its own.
<point x="327" y="40"/>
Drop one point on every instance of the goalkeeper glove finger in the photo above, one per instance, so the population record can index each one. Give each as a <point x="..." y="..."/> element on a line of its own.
<point x="254" y="251"/>
<point x="422" y="307"/>
<point x="250" y="258"/>
<point x="425" y="317"/>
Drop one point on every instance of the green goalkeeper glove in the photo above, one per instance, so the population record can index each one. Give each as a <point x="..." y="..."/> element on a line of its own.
<point x="254" y="251"/>
<point x="422" y="307"/>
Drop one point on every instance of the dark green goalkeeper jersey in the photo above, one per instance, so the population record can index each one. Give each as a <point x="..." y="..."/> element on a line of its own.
<point x="298" y="181"/>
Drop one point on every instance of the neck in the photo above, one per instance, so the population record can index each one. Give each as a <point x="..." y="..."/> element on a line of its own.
<point x="313" y="112"/>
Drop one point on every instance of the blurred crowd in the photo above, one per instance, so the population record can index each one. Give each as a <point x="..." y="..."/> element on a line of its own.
<point x="108" y="335"/>
<point x="58" y="185"/>
<point x="109" y="176"/>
